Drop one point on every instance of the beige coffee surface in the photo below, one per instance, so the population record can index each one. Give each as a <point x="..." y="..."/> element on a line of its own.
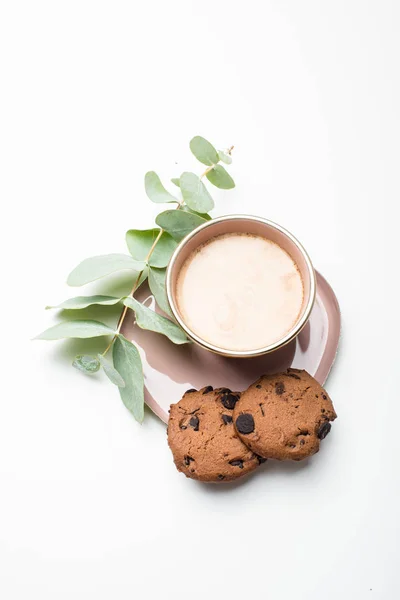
<point x="240" y="292"/>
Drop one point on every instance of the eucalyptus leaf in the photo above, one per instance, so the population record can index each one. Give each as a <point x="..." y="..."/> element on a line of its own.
<point x="100" y="266"/>
<point x="128" y="363"/>
<point x="175" y="181"/>
<point x="75" y="329"/>
<point x="111" y="373"/>
<point x="195" y="193"/>
<point x="226" y="158"/>
<point x="204" y="216"/>
<point x="157" y="288"/>
<point x="220" y="177"/>
<point x="84" y="301"/>
<point x="141" y="241"/>
<point x="150" y="320"/>
<point x="178" y="223"/>
<point x="86" y="364"/>
<point x="204" y="151"/>
<point x="155" y="189"/>
<point x="143" y="277"/>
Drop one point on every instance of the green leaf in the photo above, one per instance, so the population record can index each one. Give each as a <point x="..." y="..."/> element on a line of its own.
<point x="204" y="151"/>
<point x="128" y="363"/>
<point x="155" y="189"/>
<point x="111" y="373"/>
<point x="204" y="216"/>
<point x="143" y="277"/>
<point x="178" y="223"/>
<point x="85" y="301"/>
<point x="87" y="364"/>
<point x="140" y="242"/>
<point x="75" y="329"/>
<point x="175" y="181"/>
<point x="150" y="320"/>
<point x="195" y="193"/>
<point x="220" y="177"/>
<point x="100" y="266"/>
<point x="157" y="288"/>
<point x="226" y="158"/>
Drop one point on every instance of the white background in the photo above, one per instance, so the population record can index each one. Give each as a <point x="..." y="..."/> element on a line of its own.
<point x="94" y="94"/>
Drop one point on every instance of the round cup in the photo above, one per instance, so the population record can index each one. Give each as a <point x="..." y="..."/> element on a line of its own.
<point x="256" y="226"/>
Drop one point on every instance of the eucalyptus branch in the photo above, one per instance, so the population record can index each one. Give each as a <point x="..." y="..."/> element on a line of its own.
<point x="150" y="251"/>
<point x="135" y="287"/>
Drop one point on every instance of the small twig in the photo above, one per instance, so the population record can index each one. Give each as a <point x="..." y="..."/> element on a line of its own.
<point x="211" y="167"/>
<point x="150" y="252"/>
<point x="207" y="171"/>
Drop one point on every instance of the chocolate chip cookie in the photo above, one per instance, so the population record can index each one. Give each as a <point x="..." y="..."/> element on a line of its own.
<point x="203" y="439"/>
<point x="284" y="416"/>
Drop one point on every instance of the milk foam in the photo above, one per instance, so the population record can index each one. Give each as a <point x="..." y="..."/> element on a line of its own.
<point x="240" y="292"/>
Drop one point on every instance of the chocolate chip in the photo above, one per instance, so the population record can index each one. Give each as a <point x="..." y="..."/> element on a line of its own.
<point x="302" y="442"/>
<point x="208" y="389"/>
<point x="182" y="427"/>
<point x="190" y="391"/>
<point x="223" y="390"/>
<point x="324" y="396"/>
<point x="236" y="463"/>
<point x="261" y="459"/>
<point x="227" y="419"/>
<point x="293" y="375"/>
<point x="245" y="423"/>
<point x="258" y="386"/>
<point x="323" y="430"/>
<point x="322" y="410"/>
<point x="229" y="400"/>
<point x="194" y="422"/>
<point x="188" y="460"/>
<point x="220" y="477"/>
<point x="279" y="388"/>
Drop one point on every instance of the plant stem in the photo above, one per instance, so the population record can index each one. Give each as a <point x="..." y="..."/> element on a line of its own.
<point x="207" y="171"/>
<point x="154" y="245"/>
<point x="135" y="287"/>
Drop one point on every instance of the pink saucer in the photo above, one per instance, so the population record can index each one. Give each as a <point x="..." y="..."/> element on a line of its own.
<point x="170" y="370"/>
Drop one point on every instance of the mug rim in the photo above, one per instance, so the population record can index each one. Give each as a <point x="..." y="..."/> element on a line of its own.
<point x="296" y="329"/>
